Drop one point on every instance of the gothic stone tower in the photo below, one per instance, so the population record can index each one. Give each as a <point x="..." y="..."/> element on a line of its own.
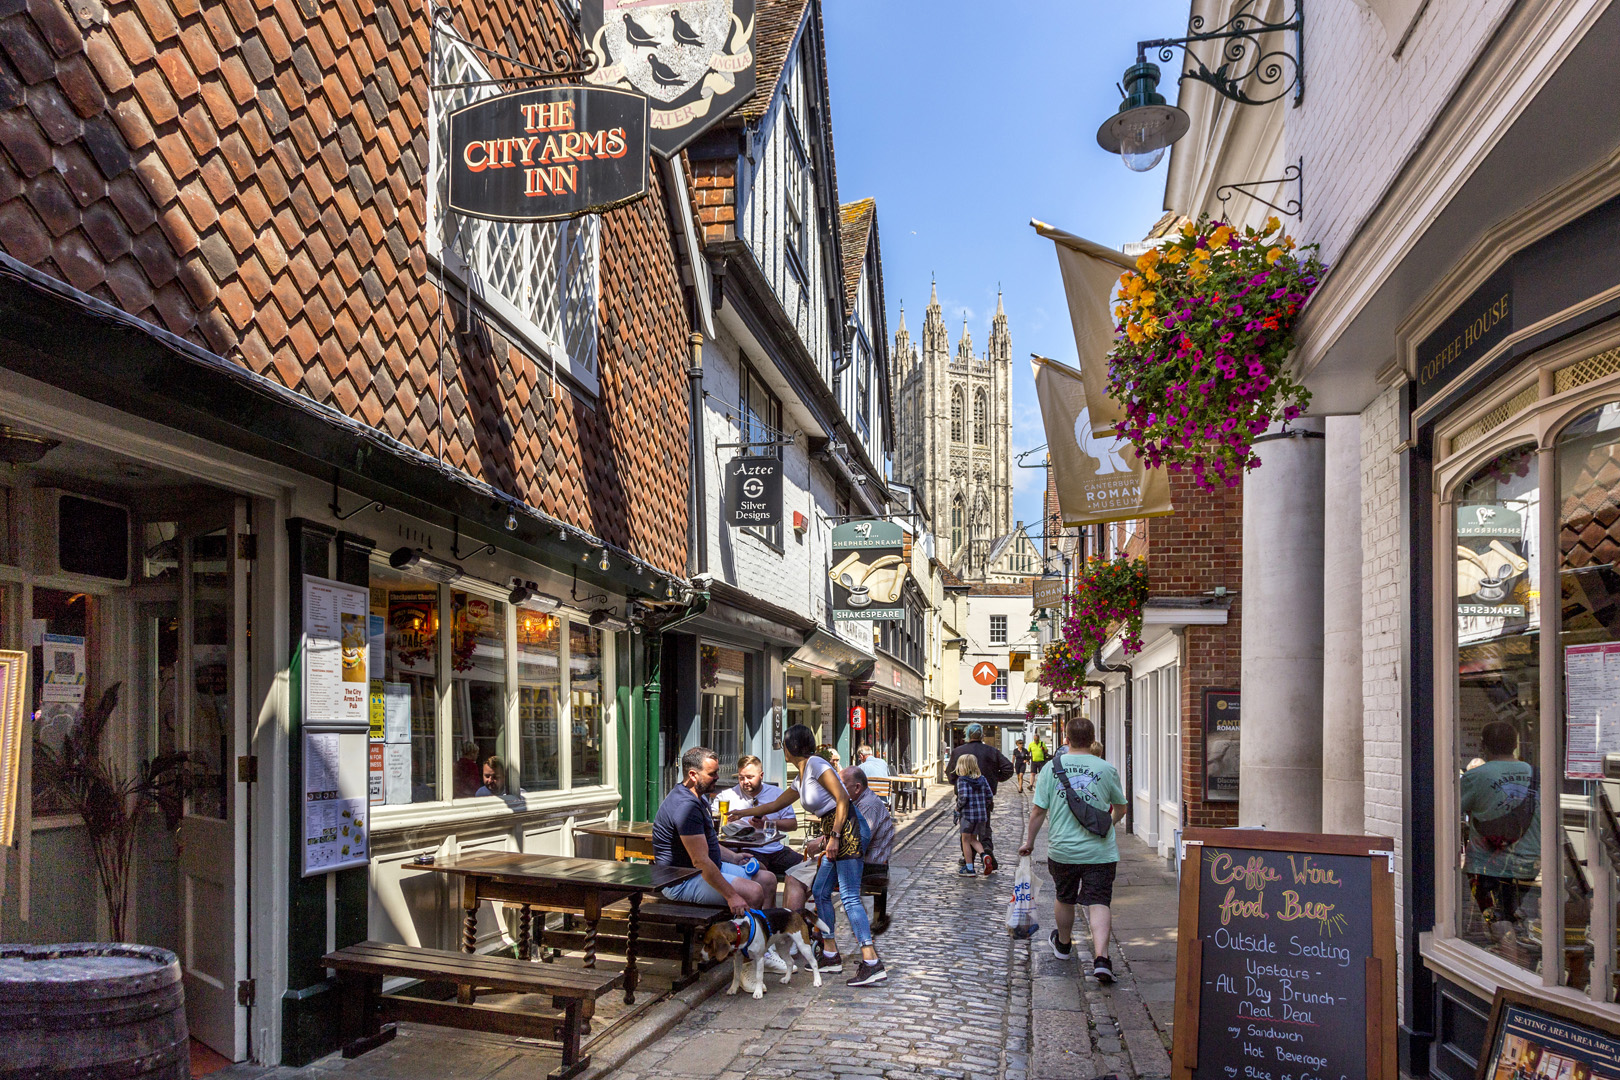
<point x="954" y="439"/>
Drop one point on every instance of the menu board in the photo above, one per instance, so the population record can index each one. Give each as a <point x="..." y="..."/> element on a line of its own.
<point x="1592" y="687"/>
<point x="1538" y="1039"/>
<point x="335" y="799"/>
<point x="336" y="651"/>
<point x="1285" y="957"/>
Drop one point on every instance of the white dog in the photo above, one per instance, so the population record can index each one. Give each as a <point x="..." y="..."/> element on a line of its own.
<point x="748" y="939"/>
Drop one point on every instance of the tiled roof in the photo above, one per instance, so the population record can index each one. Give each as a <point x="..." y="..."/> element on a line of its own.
<point x="855" y="223"/>
<point x="776" y="24"/>
<point x="1002" y="588"/>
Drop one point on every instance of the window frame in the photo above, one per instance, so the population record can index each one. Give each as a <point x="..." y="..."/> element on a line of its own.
<point x="1538" y="414"/>
<point x="1001" y="688"/>
<point x="797" y="197"/>
<point x="958" y="407"/>
<point x="981" y="418"/>
<point x="998" y="629"/>
<point x="748" y="382"/>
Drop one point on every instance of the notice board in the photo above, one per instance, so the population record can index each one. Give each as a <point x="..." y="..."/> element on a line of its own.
<point x="1285" y="957"/>
<point x="1545" y="1039"/>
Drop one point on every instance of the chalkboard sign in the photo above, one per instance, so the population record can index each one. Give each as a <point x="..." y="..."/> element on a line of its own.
<point x="1285" y="962"/>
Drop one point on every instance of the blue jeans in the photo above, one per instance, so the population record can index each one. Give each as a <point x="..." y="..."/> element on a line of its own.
<point x="848" y="873"/>
<point x="694" y="890"/>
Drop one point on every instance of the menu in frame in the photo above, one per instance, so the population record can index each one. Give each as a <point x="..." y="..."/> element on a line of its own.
<point x="1285" y="957"/>
<point x="336" y="653"/>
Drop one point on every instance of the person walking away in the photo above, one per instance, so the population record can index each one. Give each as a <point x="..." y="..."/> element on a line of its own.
<point x="751" y="790"/>
<point x="994" y="767"/>
<point x="972" y="809"/>
<point x="1021" y="764"/>
<point x="870" y="763"/>
<point x="824" y="796"/>
<point x="1037" y="755"/>
<point x="1082" y="862"/>
<point x="1499" y="796"/>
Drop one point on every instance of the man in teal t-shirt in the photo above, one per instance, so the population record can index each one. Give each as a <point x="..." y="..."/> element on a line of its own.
<point x="1082" y="863"/>
<point x="1501" y="803"/>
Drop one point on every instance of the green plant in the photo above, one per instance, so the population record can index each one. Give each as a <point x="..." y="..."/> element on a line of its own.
<point x="1205" y="326"/>
<point x="1037" y="707"/>
<point x="110" y="804"/>
<point x="1106" y="592"/>
<point x="1063" y="671"/>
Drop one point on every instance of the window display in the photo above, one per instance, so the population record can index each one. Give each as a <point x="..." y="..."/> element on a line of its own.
<point x="585" y="692"/>
<point x="409" y="608"/>
<point x="478" y="694"/>
<point x="539" y="695"/>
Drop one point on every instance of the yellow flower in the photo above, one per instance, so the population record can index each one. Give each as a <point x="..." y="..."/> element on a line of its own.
<point x="1188" y="229"/>
<point x="1220" y="236"/>
<point x="1151" y="274"/>
<point x="1134" y="332"/>
<point x="1288" y="243"/>
<point x="1150" y="327"/>
<point x="1174" y="255"/>
<point x="1273" y="255"/>
<point x="1198" y="271"/>
<point x="1147" y="259"/>
<point x="1148" y="298"/>
<point x="1133" y="287"/>
<point x="1121" y="311"/>
<point x="1272" y="225"/>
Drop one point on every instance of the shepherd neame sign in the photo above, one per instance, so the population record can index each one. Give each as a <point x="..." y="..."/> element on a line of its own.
<point x="548" y="154"/>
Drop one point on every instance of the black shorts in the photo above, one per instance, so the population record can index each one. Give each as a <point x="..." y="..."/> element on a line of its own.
<point x="778" y="862"/>
<point x="1088" y="884"/>
<point x="1021" y="768"/>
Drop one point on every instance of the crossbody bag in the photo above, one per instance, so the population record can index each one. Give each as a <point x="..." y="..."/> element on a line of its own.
<point x="1093" y="820"/>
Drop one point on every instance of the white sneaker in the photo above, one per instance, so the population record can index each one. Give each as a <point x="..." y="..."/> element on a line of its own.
<point x="774" y="962"/>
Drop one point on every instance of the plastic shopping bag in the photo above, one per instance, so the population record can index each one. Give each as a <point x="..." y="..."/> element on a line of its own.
<point x="1021" y="908"/>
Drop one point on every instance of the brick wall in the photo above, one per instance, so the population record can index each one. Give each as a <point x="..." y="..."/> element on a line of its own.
<point x="249" y="174"/>
<point x="1382" y="578"/>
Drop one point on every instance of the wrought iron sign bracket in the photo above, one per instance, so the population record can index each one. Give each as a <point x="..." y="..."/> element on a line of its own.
<point x="1242" y="55"/>
<point x="455" y="546"/>
<point x="791" y="440"/>
<point x="561" y="60"/>
<point x="337" y="511"/>
<point x="1294" y="174"/>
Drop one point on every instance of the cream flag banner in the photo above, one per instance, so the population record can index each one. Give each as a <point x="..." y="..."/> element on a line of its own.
<point x="1099" y="478"/>
<point x="1090" y="276"/>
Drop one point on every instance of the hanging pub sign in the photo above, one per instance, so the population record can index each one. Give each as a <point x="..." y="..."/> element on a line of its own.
<point x="754" y="492"/>
<point x="548" y="154"/>
<point x="693" y="58"/>
<point x="868" y="570"/>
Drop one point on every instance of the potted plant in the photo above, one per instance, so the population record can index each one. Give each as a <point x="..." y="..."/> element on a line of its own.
<point x="1063" y="671"/>
<point x="110" y="804"/>
<point x="1107" y="592"/>
<point x="1205" y="326"/>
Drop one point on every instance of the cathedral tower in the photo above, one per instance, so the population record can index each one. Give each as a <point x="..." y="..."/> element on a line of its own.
<point x="954" y="440"/>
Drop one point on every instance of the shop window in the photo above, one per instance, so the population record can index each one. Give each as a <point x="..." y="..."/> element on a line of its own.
<point x="585" y="692"/>
<point x="1498" y="708"/>
<point x="721" y="677"/>
<point x="998" y="629"/>
<point x="61" y="673"/>
<point x="409" y="608"/>
<point x="1170" y="726"/>
<point x="998" y="689"/>
<point x="478" y="695"/>
<point x="539" y="694"/>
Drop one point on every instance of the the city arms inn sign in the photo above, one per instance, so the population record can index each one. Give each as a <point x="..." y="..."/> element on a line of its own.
<point x="548" y="154"/>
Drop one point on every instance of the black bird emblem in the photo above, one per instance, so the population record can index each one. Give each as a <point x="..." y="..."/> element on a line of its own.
<point x="684" y="34"/>
<point x="636" y="36"/>
<point x="663" y="74"/>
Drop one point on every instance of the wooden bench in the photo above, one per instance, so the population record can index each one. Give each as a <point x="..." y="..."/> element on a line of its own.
<point x="366" y="1009"/>
<point x="686" y="921"/>
<point x="877" y="887"/>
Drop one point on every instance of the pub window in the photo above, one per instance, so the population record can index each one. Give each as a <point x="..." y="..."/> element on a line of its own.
<point x="585" y="688"/>
<point x="956" y="415"/>
<point x="409" y="608"/>
<point x="981" y="427"/>
<point x="539" y="700"/>
<point x="478" y="695"/>
<point x="761" y="413"/>
<point x="539" y="281"/>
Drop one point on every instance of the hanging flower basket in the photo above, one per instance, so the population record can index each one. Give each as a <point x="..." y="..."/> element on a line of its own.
<point x="1205" y="326"/>
<point x="1062" y="671"/>
<point x="1037" y="707"/>
<point x="1107" y="592"/>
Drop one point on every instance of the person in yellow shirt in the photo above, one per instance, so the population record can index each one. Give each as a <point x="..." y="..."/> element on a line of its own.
<point x="1038" y="754"/>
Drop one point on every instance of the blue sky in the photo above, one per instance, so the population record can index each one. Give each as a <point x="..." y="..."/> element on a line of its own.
<point x="964" y="120"/>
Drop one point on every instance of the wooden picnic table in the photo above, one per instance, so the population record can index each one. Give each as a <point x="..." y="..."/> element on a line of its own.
<point x="556" y="883"/>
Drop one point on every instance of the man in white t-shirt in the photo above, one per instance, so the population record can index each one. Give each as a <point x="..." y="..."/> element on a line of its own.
<point x="751" y="790"/>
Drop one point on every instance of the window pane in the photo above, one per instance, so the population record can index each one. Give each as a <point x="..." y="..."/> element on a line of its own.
<point x="1498" y="708"/>
<point x="1589" y="640"/>
<point x="721" y="676"/>
<point x="539" y="691"/>
<point x="66" y="618"/>
<point x="210" y="731"/>
<point x="409" y="608"/>
<point x="478" y="694"/>
<point x="585" y="691"/>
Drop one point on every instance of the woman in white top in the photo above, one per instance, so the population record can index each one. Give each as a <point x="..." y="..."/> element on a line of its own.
<point x="823" y="795"/>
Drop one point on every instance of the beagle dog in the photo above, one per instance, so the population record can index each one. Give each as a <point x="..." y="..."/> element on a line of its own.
<point x="748" y="939"/>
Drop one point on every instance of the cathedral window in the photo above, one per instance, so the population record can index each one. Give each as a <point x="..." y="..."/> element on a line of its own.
<point x="981" y="428"/>
<point x="956" y="525"/>
<point x="956" y="415"/>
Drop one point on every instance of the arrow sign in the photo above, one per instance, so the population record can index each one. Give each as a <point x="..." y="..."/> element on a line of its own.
<point x="984" y="673"/>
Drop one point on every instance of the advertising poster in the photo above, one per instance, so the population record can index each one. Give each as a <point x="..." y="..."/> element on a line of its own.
<point x="1222" y="734"/>
<point x="869" y="570"/>
<point x="374" y="773"/>
<point x="1492" y="578"/>
<point x="1530" y="1042"/>
<point x="413" y="631"/>
<point x="336" y="648"/>
<point x="1592" y="691"/>
<point x="335" y="800"/>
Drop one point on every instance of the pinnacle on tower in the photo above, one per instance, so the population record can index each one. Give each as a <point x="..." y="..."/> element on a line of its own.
<point x="1000" y="337"/>
<point x="903" y="353"/>
<point x="935" y="340"/>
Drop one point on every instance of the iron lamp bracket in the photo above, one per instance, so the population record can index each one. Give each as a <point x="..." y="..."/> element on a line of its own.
<point x="1242" y="57"/>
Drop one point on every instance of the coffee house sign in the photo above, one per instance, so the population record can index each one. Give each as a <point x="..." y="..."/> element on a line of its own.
<point x="548" y="154"/>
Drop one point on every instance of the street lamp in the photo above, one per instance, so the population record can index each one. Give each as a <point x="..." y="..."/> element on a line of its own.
<point x="1145" y="125"/>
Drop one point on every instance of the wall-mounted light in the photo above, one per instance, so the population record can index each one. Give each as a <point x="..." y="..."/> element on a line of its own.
<point x="602" y="559"/>
<point x="511" y="523"/>
<point x="525" y="595"/>
<point x="606" y="620"/>
<point x="416" y="561"/>
<point x="1145" y="125"/>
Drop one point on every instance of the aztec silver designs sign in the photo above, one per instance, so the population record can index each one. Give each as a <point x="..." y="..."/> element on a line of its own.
<point x="693" y="59"/>
<point x="548" y="154"/>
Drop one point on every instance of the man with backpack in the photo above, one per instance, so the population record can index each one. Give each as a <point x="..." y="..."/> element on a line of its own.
<point x="1082" y="796"/>
<point x="1499" y="797"/>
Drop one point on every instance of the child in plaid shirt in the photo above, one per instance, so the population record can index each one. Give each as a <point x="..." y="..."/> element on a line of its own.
<point x="972" y="810"/>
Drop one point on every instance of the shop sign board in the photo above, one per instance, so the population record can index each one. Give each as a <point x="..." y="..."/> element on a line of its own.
<point x="985" y="673"/>
<point x="1536" y="1037"/>
<point x="692" y="59"/>
<point x="868" y="570"/>
<point x="776" y="723"/>
<point x="1222" y="735"/>
<point x="1286" y="951"/>
<point x="548" y="154"/>
<point x="1492" y="569"/>
<point x="754" y="492"/>
<point x="1048" y="592"/>
<point x="1474" y="328"/>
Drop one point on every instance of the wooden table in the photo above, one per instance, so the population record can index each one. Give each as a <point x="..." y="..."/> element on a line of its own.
<point x="916" y="787"/>
<point x="631" y="839"/>
<point x="557" y="883"/>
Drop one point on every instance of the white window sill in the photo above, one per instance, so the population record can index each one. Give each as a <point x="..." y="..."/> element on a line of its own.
<point x="589" y="800"/>
<point x="1481" y="973"/>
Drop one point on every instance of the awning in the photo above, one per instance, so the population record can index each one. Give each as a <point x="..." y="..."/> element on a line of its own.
<point x="736" y="618"/>
<point x="830" y="656"/>
<point x="895" y="685"/>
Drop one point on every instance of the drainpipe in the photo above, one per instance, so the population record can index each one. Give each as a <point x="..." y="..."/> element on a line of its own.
<point x="1130" y="745"/>
<point x="697" y="528"/>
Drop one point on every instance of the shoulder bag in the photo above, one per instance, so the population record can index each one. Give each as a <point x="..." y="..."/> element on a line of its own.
<point x="1093" y="820"/>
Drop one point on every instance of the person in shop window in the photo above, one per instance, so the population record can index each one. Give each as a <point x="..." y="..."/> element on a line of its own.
<point x="1501" y="807"/>
<point x="468" y="773"/>
<point x="494" y="778"/>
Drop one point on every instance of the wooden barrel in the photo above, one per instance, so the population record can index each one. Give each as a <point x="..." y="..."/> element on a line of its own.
<point x="91" y="1011"/>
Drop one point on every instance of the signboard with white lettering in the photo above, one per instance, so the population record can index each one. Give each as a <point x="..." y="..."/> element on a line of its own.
<point x="548" y="154"/>
<point x="868" y="570"/>
<point x="1285" y="962"/>
<point x="754" y="492"/>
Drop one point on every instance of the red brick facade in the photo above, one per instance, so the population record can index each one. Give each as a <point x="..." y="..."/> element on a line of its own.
<point x="250" y="175"/>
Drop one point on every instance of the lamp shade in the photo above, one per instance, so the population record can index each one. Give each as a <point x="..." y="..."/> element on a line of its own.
<point x="1145" y="124"/>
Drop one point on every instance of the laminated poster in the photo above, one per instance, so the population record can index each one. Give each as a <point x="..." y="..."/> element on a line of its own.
<point x="374" y="773"/>
<point x="335" y="823"/>
<point x="337" y="650"/>
<point x="396" y="773"/>
<point x="1543" y="1040"/>
<point x="1592" y="697"/>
